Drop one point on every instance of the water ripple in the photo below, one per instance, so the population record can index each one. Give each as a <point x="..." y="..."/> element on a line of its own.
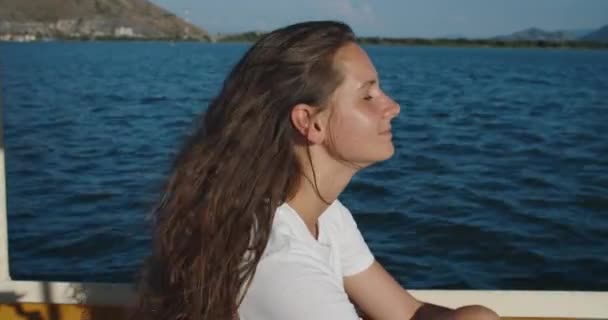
<point x="500" y="178"/>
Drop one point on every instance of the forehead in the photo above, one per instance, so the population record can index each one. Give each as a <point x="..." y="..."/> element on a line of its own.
<point x="355" y="64"/>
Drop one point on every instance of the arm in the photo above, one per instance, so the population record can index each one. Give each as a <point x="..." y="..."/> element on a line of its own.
<point x="381" y="297"/>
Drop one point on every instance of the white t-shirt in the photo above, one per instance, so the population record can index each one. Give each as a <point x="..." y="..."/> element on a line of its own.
<point x="300" y="277"/>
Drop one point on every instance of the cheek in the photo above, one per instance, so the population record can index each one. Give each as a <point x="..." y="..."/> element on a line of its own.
<point x="358" y="121"/>
<point x="352" y="130"/>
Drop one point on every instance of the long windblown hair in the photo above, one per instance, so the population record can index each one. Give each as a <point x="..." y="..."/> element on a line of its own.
<point x="215" y="214"/>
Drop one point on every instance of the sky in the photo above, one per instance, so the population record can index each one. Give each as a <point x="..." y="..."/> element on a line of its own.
<point x="396" y="18"/>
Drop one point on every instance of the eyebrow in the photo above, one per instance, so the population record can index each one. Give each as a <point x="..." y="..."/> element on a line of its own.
<point x="368" y="83"/>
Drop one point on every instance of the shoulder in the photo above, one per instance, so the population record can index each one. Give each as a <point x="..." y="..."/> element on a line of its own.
<point x="337" y="214"/>
<point x="344" y="216"/>
<point x="286" y="235"/>
<point x="342" y="211"/>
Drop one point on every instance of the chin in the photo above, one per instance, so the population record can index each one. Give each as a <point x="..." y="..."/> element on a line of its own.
<point x="381" y="155"/>
<point x="388" y="152"/>
<point x="372" y="155"/>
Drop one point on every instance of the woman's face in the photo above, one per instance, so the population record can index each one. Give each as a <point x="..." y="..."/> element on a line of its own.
<point x="359" y="126"/>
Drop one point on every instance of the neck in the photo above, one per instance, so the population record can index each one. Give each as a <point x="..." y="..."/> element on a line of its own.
<point x="312" y="199"/>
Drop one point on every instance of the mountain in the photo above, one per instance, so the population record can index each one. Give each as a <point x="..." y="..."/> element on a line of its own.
<point x="536" y="34"/>
<point x="599" y="35"/>
<point x="453" y="36"/>
<point x="578" y="33"/>
<point x="137" y="19"/>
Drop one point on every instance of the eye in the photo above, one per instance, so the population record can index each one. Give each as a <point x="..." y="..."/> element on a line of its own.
<point x="368" y="98"/>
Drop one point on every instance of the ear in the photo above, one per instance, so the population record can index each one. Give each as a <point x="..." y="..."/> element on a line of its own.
<point x="307" y="123"/>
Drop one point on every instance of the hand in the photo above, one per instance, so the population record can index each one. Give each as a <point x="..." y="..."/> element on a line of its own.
<point x="474" y="312"/>
<point x="434" y="312"/>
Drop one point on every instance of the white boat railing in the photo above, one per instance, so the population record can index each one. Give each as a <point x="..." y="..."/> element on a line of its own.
<point x="526" y="304"/>
<point x="4" y="272"/>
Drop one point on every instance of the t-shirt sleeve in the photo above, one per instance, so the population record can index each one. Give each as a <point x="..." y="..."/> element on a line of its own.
<point x="296" y="290"/>
<point x="355" y="255"/>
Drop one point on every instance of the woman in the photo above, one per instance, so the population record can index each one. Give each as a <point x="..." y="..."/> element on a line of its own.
<point x="249" y="224"/>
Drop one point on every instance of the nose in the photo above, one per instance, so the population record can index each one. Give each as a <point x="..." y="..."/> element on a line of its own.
<point x="392" y="108"/>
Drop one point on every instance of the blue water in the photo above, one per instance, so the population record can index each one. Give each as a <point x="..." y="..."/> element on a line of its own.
<point x="500" y="179"/>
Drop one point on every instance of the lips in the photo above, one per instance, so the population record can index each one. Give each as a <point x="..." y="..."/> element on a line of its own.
<point x="386" y="132"/>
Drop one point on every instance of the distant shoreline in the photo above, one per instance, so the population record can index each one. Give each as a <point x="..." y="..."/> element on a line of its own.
<point x="494" y="43"/>
<point x="251" y="37"/>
